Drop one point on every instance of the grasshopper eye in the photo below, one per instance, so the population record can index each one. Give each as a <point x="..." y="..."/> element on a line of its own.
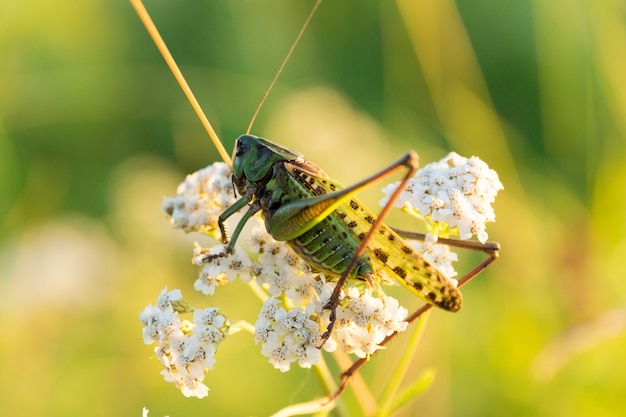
<point x="240" y="148"/>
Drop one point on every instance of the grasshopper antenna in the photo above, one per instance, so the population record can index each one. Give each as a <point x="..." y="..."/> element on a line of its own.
<point x="171" y="63"/>
<point x="282" y="66"/>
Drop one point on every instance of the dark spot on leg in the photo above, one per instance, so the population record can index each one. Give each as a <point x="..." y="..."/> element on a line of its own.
<point x="381" y="255"/>
<point x="399" y="271"/>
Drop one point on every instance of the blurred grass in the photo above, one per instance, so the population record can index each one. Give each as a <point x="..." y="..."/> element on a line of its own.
<point x="94" y="132"/>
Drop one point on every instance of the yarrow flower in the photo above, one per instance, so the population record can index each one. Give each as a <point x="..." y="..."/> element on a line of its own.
<point x="185" y="348"/>
<point x="220" y="267"/>
<point x="289" y="334"/>
<point x="452" y="196"/>
<point x="200" y="199"/>
<point x="364" y="320"/>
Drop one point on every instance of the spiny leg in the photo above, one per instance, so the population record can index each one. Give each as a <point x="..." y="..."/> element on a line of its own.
<point x="411" y="161"/>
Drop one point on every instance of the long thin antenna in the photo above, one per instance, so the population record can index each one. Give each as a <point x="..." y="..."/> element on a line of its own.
<point x="282" y="66"/>
<point x="160" y="44"/>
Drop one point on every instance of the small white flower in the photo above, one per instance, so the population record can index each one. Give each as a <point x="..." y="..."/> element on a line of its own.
<point x="201" y="198"/>
<point x="220" y="267"/>
<point x="209" y="317"/>
<point x="191" y="387"/>
<point x="165" y="299"/>
<point x="150" y="320"/>
<point x="279" y="357"/>
<point x="437" y="254"/>
<point x="259" y="239"/>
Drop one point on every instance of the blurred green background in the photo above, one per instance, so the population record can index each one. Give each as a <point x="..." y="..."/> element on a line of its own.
<point x="94" y="132"/>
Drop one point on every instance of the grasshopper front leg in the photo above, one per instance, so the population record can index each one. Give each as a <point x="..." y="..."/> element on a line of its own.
<point x="221" y="220"/>
<point x="236" y="207"/>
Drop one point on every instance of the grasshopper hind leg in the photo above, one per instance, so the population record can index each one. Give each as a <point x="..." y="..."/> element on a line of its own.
<point x="411" y="161"/>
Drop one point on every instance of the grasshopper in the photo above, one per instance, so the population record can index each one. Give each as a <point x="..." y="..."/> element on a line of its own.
<point x="325" y="225"/>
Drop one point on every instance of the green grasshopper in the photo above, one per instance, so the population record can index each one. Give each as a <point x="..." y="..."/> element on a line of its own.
<point x="325" y="225"/>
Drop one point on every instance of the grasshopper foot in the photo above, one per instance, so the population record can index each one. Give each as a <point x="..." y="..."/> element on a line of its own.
<point x="329" y="329"/>
<point x="331" y="305"/>
<point x="210" y="257"/>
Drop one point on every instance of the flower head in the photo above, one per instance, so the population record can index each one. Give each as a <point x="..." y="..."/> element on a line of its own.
<point x="185" y="348"/>
<point x="219" y="267"/>
<point x="453" y="196"/>
<point x="200" y="199"/>
<point x="364" y="320"/>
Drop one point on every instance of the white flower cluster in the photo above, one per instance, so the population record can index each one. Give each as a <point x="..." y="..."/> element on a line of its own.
<point x="220" y="267"/>
<point x="364" y="320"/>
<point x="289" y="334"/>
<point x="200" y="200"/>
<point x="186" y="349"/>
<point x="453" y="195"/>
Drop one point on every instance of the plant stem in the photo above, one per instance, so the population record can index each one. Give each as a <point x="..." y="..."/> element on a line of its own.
<point x="386" y="399"/>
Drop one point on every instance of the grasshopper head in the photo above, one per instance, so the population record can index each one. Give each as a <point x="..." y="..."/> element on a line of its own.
<point x="254" y="158"/>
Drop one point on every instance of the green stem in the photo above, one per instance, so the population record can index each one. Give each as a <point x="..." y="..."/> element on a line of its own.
<point x="324" y="376"/>
<point x="387" y="397"/>
<point x="364" y="397"/>
<point x="328" y="384"/>
<point x="241" y="325"/>
<point x="258" y="290"/>
<point x="321" y="406"/>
